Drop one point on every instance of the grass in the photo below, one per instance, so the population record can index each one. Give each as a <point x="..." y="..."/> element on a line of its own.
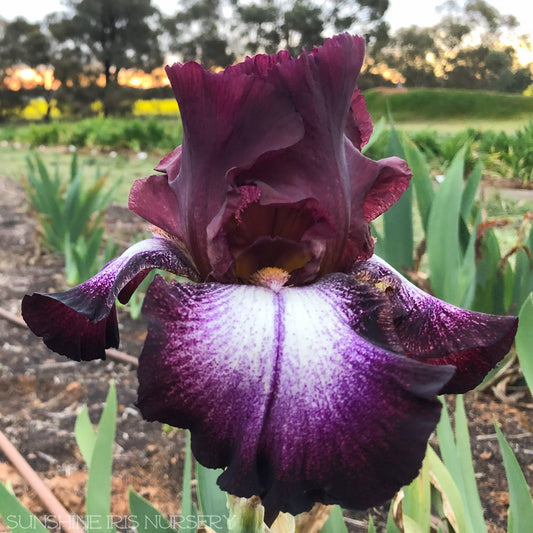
<point x="123" y="169"/>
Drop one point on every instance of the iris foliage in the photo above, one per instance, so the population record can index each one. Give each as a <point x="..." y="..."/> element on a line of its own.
<point x="70" y="214"/>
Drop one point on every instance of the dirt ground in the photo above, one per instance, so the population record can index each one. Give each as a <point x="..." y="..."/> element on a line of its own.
<point x="41" y="394"/>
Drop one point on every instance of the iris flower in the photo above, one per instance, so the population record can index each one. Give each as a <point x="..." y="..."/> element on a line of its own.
<point x="303" y="365"/>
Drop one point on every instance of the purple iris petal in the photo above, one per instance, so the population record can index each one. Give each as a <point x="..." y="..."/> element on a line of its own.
<point x="286" y="391"/>
<point x="81" y="322"/>
<point x="427" y="329"/>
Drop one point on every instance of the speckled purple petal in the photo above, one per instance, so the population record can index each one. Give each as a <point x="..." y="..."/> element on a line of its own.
<point x="285" y="392"/>
<point x="81" y="322"/>
<point x="435" y="332"/>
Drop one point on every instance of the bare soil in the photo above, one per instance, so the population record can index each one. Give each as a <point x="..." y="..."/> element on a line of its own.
<point x="41" y="394"/>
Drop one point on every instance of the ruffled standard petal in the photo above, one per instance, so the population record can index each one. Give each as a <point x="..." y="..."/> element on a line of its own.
<point x="359" y="124"/>
<point x="285" y="392"/>
<point x="81" y="322"/>
<point x="229" y="120"/>
<point x="427" y="329"/>
<point x="313" y="171"/>
<point x="375" y="186"/>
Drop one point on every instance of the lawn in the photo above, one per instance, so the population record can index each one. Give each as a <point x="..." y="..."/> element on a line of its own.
<point x="455" y="125"/>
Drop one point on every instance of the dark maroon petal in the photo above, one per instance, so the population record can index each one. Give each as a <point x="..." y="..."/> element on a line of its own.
<point x="430" y="330"/>
<point x="229" y="120"/>
<point x="260" y="65"/>
<point x="314" y="170"/>
<point x="250" y="233"/>
<point x="359" y="124"/>
<point x="153" y="199"/>
<point x="375" y="186"/>
<point x="284" y="390"/>
<point x="391" y="182"/>
<point x="171" y="164"/>
<point x="81" y="322"/>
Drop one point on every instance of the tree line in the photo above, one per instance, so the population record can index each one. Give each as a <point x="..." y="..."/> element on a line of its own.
<point x="96" y="39"/>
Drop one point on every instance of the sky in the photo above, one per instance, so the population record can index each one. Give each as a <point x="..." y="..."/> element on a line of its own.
<point x="401" y="13"/>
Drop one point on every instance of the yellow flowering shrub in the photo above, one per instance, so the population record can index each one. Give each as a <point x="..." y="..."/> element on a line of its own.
<point x="36" y="109"/>
<point x="160" y="106"/>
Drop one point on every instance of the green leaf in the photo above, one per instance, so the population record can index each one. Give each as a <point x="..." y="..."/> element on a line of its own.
<point x="211" y="500"/>
<point x="391" y="524"/>
<point x="379" y="128"/>
<point x="50" y="191"/>
<point x="443" y="248"/>
<point x="416" y="504"/>
<point x="98" y="499"/>
<point x="522" y="280"/>
<point x="335" y="523"/>
<point x="489" y="296"/>
<point x="469" y="193"/>
<point x="524" y="340"/>
<point x="466" y="281"/>
<point x="447" y="446"/>
<point x="520" y="516"/>
<point x="85" y="435"/>
<point x="457" y="458"/>
<point x="398" y="220"/>
<point x="448" y="488"/>
<point x="470" y="494"/>
<point x="16" y="517"/>
<point x="74" y="165"/>
<point x="371" y="528"/>
<point x="76" y="216"/>
<point x="245" y="515"/>
<point x="188" y="512"/>
<point x="412" y="526"/>
<point x="421" y="181"/>
<point x="145" y="517"/>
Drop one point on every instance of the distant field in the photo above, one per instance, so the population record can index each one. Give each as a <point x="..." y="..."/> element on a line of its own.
<point x="115" y="144"/>
<point x="450" y="110"/>
<point x="453" y="126"/>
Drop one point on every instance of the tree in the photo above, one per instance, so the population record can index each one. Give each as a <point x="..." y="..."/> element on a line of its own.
<point x="113" y="35"/>
<point x="215" y="32"/>
<point x="200" y="25"/>
<point x="410" y="55"/>
<point x="463" y="50"/>
<point x="21" y="43"/>
<point x="24" y="43"/>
